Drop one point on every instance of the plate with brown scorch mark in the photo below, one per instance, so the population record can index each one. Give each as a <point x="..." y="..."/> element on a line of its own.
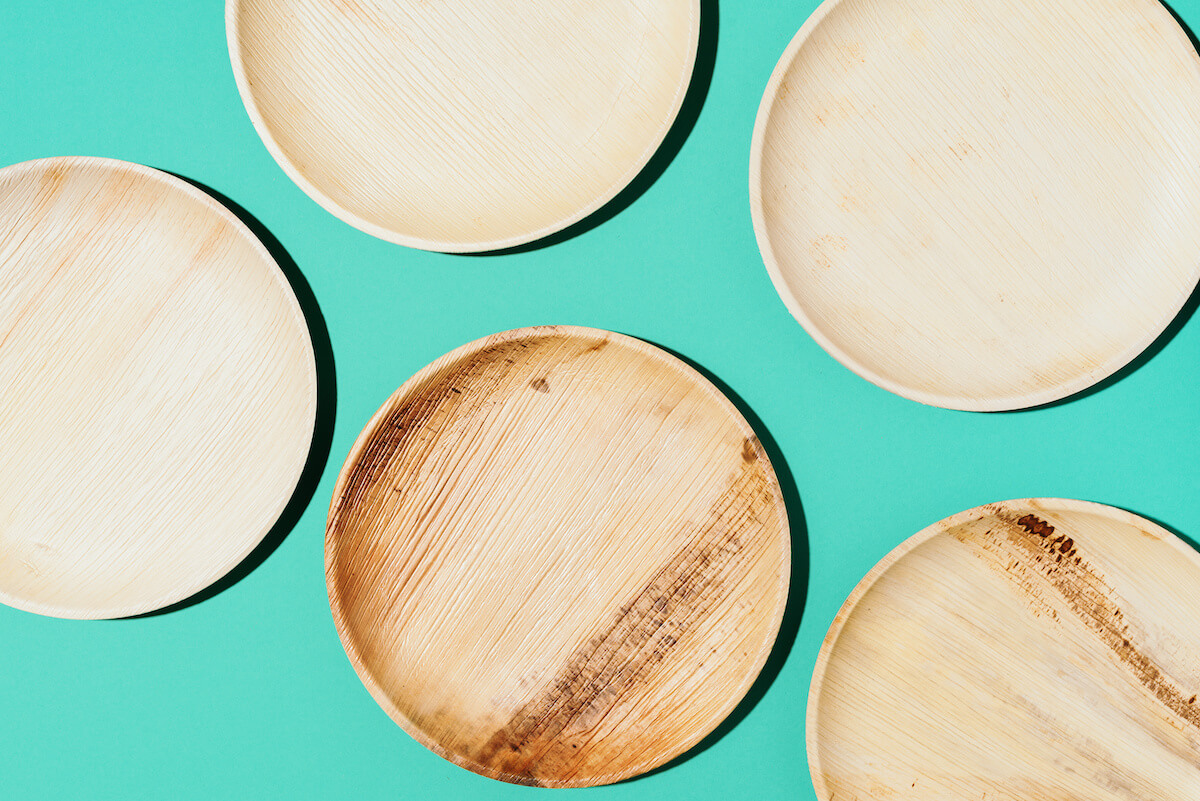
<point x="557" y="556"/>
<point x="1019" y="650"/>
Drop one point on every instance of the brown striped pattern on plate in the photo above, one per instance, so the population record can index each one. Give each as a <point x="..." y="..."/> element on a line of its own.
<point x="558" y="556"/>
<point x="1035" y="649"/>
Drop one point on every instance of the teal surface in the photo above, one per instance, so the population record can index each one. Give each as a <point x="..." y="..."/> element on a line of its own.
<point x="248" y="693"/>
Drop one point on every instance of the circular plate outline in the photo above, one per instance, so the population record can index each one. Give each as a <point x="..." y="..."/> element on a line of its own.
<point x="232" y="20"/>
<point x="846" y="611"/>
<point x="339" y="616"/>
<point x="948" y="400"/>
<point x="210" y="204"/>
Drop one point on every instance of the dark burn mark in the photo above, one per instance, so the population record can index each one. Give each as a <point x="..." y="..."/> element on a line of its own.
<point x="540" y="384"/>
<point x="750" y="449"/>
<point x="1035" y="525"/>
<point x="1021" y="549"/>
<point x="542" y="738"/>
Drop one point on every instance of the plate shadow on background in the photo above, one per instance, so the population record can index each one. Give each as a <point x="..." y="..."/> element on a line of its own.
<point x="318" y="452"/>
<point x="1186" y="29"/>
<point x="672" y="143"/>
<point x="1178" y="324"/>
<point x="797" y="588"/>
<point x="1181" y="319"/>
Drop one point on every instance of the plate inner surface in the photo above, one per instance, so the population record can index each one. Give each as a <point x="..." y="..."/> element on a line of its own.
<point x="159" y="389"/>
<point x="558" y="556"/>
<point x="982" y="205"/>
<point x="462" y="126"/>
<point x="1031" y="649"/>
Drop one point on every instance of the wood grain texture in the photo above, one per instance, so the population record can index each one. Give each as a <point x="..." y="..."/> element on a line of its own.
<point x="465" y="126"/>
<point x="1038" y="650"/>
<point x="557" y="556"/>
<point x="158" y="389"/>
<point x="982" y="205"/>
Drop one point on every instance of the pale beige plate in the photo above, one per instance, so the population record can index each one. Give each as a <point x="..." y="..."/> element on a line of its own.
<point x="1034" y="649"/>
<point x="557" y="556"/>
<point x="465" y="126"/>
<point x="986" y="205"/>
<point x="159" y="389"/>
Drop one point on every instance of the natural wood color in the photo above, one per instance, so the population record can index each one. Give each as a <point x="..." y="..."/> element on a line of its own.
<point x="985" y="205"/>
<point x="557" y="556"/>
<point x="466" y="126"/>
<point x="1020" y="651"/>
<point x="158" y="389"/>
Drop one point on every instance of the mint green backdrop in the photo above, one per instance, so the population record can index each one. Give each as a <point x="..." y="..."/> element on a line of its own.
<point x="248" y="693"/>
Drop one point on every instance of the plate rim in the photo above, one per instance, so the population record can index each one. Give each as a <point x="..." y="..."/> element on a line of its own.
<point x="784" y="535"/>
<point x="846" y="611"/>
<point x="946" y="400"/>
<point x="249" y="103"/>
<point x="209" y="203"/>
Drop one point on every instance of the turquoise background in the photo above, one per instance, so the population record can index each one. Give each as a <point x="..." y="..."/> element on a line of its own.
<point x="248" y="693"/>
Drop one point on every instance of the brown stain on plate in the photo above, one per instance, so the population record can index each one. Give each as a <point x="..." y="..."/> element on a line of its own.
<point x="577" y="706"/>
<point x="548" y="735"/>
<point x="824" y="249"/>
<point x="52" y="181"/>
<point x="442" y="395"/>
<point x="1049" y="567"/>
<point x="209" y="247"/>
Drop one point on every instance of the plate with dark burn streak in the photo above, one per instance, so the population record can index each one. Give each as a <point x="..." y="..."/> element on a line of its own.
<point x="557" y="556"/>
<point x="1033" y="649"/>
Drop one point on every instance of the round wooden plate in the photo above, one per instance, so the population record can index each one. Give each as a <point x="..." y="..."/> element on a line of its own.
<point x="467" y="126"/>
<point x="159" y="389"/>
<point x="1020" y="650"/>
<point x="982" y="205"/>
<point x="557" y="556"/>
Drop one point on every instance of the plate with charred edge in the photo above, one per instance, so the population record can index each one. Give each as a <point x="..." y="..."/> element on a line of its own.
<point x="557" y="556"/>
<point x="1039" y="648"/>
<point x="159" y="389"/>
<point x="467" y="126"/>
<point x="986" y="205"/>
